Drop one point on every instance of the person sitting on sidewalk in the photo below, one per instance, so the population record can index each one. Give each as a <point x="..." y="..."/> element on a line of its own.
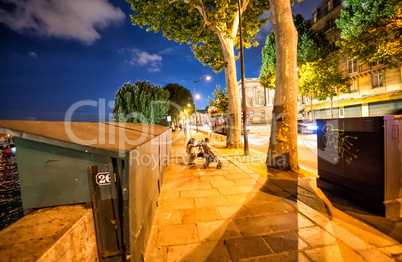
<point x="189" y="152"/>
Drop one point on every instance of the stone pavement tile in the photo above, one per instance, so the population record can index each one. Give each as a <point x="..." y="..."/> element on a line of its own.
<point x="236" y="198"/>
<point x="268" y="207"/>
<point x="238" y="189"/>
<point x="345" y="236"/>
<point x="375" y="255"/>
<point x="211" y="251"/>
<point x="165" y="194"/>
<point x="199" y="193"/>
<point x="334" y="253"/>
<point x="270" y="223"/>
<point x="167" y="217"/>
<point x="285" y="257"/>
<point x="194" y="185"/>
<point x="316" y="236"/>
<point x="247" y="247"/>
<point x="218" y="173"/>
<point x="177" y="235"/>
<point x="155" y="254"/>
<point x="202" y="202"/>
<point x="271" y="187"/>
<point x="219" y="201"/>
<point x="176" y="204"/>
<point x="237" y="175"/>
<point x="206" y="178"/>
<point x="233" y="211"/>
<point x="245" y="182"/>
<point x="286" y="241"/>
<point x="214" y="201"/>
<point x="217" y="230"/>
<point x="203" y="214"/>
<point x="222" y="183"/>
<point x="263" y="196"/>
<point x="219" y="178"/>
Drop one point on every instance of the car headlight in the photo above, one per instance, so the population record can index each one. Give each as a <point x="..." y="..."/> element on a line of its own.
<point x="312" y="127"/>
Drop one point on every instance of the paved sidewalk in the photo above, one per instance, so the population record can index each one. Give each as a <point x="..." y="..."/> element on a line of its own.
<point x="233" y="214"/>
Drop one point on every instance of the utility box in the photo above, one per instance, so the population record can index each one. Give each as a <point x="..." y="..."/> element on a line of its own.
<point x="118" y="167"/>
<point x="393" y="167"/>
<point x="351" y="160"/>
<point x="359" y="159"/>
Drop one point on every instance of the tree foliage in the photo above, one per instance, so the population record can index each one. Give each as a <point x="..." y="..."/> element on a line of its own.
<point x="220" y="102"/>
<point x="197" y="23"/>
<point x="141" y="102"/>
<point x="323" y="79"/>
<point x="180" y="97"/>
<point x="311" y="46"/>
<point x="371" y="30"/>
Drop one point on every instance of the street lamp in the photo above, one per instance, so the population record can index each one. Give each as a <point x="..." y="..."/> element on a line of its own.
<point x="197" y="97"/>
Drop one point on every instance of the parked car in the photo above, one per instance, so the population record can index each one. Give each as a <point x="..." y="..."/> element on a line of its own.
<point x="306" y="127"/>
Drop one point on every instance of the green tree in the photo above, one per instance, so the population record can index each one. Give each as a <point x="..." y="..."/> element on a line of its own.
<point x="211" y="27"/>
<point x="311" y="46"/>
<point x="371" y="30"/>
<point x="322" y="79"/>
<point x="220" y="102"/>
<point x="141" y="102"/>
<point x="180" y="97"/>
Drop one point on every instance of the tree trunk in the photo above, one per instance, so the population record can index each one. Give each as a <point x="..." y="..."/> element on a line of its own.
<point x="282" y="152"/>
<point x="233" y="139"/>
<point x="332" y="115"/>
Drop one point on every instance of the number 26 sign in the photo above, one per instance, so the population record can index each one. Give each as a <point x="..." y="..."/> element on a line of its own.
<point x="103" y="178"/>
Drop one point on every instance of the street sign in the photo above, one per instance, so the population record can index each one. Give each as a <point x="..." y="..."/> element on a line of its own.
<point x="169" y="119"/>
<point x="103" y="178"/>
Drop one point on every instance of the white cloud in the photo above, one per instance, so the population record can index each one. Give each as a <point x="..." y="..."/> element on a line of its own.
<point x="33" y="54"/>
<point x="165" y="51"/>
<point x="67" y="19"/>
<point x="143" y="58"/>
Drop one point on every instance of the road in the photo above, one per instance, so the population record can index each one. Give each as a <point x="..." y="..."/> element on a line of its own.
<point x="307" y="145"/>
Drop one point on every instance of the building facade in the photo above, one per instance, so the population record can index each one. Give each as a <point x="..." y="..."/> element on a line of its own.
<point x="259" y="100"/>
<point x="376" y="87"/>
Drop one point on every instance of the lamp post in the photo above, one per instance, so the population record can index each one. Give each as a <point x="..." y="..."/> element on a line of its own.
<point x="197" y="96"/>
<point x="244" y="107"/>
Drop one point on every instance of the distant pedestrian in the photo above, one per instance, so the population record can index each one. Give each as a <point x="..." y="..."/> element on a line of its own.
<point x="185" y="129"/>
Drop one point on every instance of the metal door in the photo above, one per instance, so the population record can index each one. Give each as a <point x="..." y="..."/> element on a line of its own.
<point x="107" y="209"/>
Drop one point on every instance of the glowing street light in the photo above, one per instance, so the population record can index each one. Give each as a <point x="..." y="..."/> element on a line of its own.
<point x="198" y="97"/>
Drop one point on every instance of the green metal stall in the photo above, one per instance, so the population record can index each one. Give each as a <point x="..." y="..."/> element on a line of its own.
<point x="118" y="167"/>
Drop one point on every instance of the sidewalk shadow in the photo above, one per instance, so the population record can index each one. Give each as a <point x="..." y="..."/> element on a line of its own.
<point x="266" y="227"/>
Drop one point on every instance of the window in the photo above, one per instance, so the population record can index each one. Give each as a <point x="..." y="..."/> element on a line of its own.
<point x="352" y="66"/>
<point x="378" y="81"/>
<point x="314" y="16"/>
<point x="353" y="87"/>
<point x="330" y="5"/>
<point x="250" y="101"/>
<point x="330" y="23"/>
<point x="260" y="97"/>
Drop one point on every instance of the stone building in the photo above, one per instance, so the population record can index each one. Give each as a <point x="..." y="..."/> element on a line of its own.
<point x="376" y="87"/>
<point x="259" y="100"/>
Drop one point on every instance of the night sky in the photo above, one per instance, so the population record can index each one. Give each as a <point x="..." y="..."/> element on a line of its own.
<point x="57" y="54"/>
